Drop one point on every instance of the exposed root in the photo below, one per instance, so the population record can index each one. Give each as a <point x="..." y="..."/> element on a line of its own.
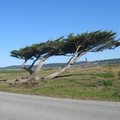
<point x="23" y="82"/>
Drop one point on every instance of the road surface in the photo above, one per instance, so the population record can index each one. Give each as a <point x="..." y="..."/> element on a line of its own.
<point x="28" y="107"/>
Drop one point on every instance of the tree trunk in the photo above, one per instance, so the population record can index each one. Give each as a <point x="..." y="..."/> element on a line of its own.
<point x="54" y="75"/>
<point x="27" y="69"/>
<point x="73" y="60"/>
<point x="35" y="75"/>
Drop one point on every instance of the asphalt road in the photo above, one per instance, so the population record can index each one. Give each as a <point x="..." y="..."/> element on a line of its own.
<point x="28" y="107"/>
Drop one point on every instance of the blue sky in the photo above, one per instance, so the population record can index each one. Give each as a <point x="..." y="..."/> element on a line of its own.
<point x="24" y="22"/>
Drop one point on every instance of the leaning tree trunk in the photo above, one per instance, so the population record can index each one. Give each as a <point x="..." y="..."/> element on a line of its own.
<point x="73" y="60"/>
<point x="35" y="75"/>
<point x="29" y="70"/>
<point x="54" y="75"/>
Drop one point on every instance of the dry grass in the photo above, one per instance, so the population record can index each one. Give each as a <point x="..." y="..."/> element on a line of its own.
<point x="96" y="83"/>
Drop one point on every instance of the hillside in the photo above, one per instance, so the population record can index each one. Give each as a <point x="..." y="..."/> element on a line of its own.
<point x="95" y="83"/>
<point x="81" y="63"/>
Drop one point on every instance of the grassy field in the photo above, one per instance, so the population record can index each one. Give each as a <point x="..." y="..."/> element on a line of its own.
<point x="93" y="83"/>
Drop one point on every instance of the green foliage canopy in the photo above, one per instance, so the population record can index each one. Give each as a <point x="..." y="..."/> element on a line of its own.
<point x="87" y="42"/>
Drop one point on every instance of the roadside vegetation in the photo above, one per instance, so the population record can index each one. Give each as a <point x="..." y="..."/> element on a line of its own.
<point x="94" y="83"/>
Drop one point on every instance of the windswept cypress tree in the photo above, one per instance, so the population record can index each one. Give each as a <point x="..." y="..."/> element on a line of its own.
<point x="39" y="52"/>
<point x="87" y="42"/>
<point x="74" y="45"/>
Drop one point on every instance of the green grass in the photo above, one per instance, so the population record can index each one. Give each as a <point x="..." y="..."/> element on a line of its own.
<point x="108" y="74"/>
<point x="94" y="83"/>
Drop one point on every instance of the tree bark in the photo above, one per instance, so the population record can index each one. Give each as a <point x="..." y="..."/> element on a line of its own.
<point x="54" y="75"/>
<point x="72" y="60"/>
<point x="69" y="64"/>
<point x="29" y="69"/>
<point x="35" y="75"/>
